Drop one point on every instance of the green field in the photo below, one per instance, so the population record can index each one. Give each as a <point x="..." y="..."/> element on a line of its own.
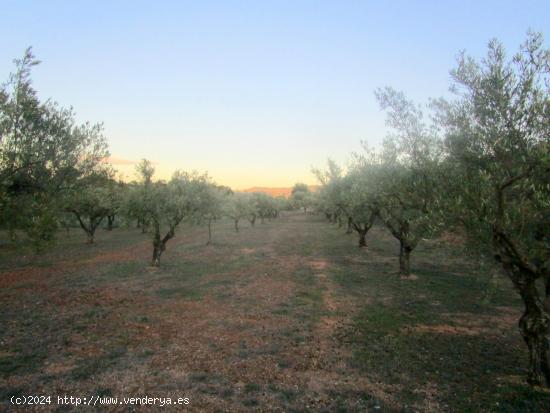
<point x="285" y="316"/>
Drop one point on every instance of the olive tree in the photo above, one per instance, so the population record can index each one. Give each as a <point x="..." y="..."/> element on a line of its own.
<point x="182" y="198"/>
<point x="43" y="153"/>
<point x="214" y="200"/>
<point x="328" y="197"/>
<point x="300" y="197"/>
<point x="90" y="203"/>
<point x="350" y="196"/>
<point x="498" y="141"/>
<point x="408" y="180"/>
<point x="359" y="201"/>
<point x="143" y="192"/>
<point x="238" y="206"/>
<point x="115" y="194"/>
<point x="267" y="207"/>
<point x="252" y="201"/>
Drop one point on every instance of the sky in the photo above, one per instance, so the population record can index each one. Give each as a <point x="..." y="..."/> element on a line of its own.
<point x="254" y="92"/>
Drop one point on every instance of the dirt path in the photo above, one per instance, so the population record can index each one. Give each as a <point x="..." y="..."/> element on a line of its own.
<point x="328" y="359"/>
<point x="330" y="371"/>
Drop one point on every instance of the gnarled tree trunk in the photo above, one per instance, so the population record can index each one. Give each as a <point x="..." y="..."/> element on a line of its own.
<point x="93" y="223"/>
<point x="159" y="245"/>
<point x="400" y="229"/>
<point x="110" y="221"/>
<point x="362" y="239"/>
<point x="363" y="229"/>
<point x="89" y="237"/>
<point x="236" y="225"/>
<point x="349" y="230"/>
<point x="405" y="258"/>
<point x="534" y="324"/>
<point x="158" y="249"/>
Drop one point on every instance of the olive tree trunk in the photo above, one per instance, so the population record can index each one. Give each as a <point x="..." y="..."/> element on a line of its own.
<point x="159" y="244"/>
<point x="400" y="229"/>
<point x="362" y="239"/>
<point x="90" y="227"/>
<point x="534" y="324"/>
<point x="363" y="229"/>
<point x="158" y="249"/>
<point x="89" y="237"/>
<point x="110" y="221"/>
<point x="404" y="258"/>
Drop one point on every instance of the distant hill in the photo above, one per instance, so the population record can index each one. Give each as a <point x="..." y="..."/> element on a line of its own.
<point x="277" y="191"/>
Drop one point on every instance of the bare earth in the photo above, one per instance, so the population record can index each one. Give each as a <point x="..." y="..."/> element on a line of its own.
<point x="263" y="320"/>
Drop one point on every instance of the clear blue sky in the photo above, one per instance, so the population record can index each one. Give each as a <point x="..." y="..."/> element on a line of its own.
<point x="255" y="92"/>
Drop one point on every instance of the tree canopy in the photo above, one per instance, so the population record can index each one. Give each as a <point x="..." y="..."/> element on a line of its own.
<point x="43" y="154"/>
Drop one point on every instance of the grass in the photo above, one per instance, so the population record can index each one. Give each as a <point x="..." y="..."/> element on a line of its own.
<point x="287" y="316"/>
<point x="89" y="367"/>
<point x="21" y="363"/>
<point x="467" y="364"/>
